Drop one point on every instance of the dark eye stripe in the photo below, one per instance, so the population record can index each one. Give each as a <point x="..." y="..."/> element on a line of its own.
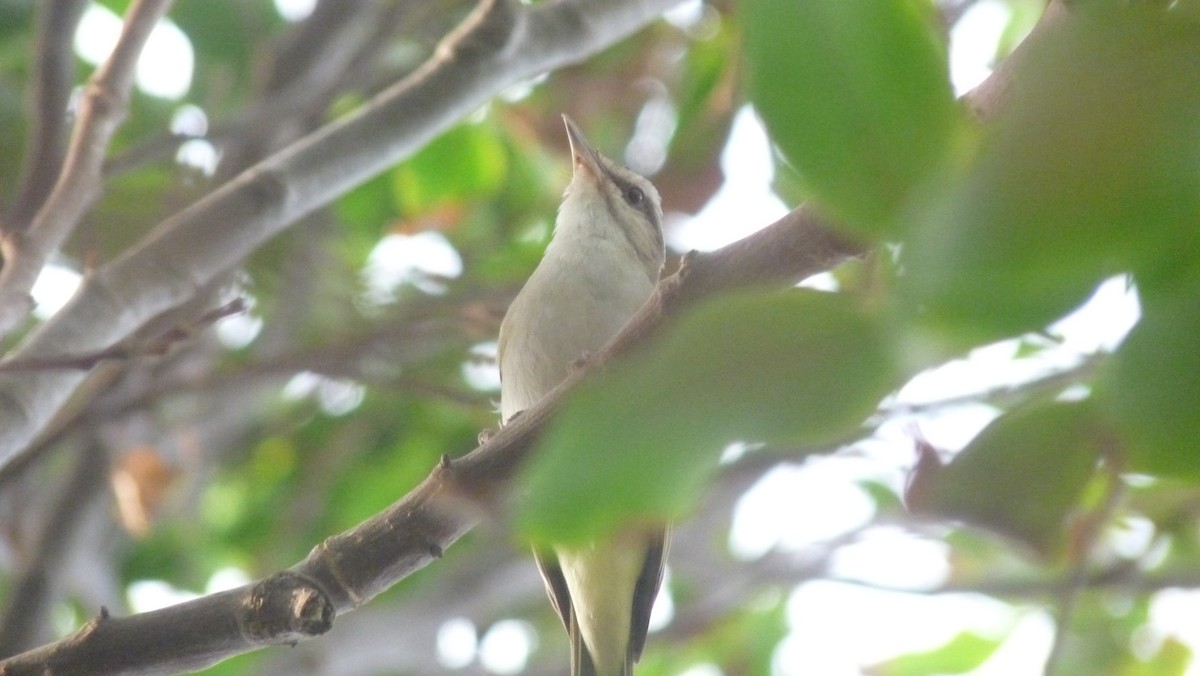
<point x="646" y="210"/>
<point x="643" y="205"/>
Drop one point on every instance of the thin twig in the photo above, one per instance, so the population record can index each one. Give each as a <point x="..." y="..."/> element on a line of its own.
<point x="103" y="107"/>
<point x="1005" y="396"/>
<point x="502" y="42"/>
<point x="158" y="149"/>
<point x="1126" y="577"/>
<point x="1088" y="533"/>
<point x="158" y="346"/>
<point x="347" y="570"/>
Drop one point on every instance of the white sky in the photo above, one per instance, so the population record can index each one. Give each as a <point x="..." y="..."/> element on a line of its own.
<point x="836" y="628"/>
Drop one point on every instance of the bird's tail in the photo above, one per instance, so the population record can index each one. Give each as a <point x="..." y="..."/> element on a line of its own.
<point x="582" y="663"/>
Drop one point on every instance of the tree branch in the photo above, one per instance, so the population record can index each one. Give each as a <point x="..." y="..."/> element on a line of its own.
<point x="105" y="103"/>
<point x="349" y="569"/>
<point x="32" y="592"/>
<point x="127" y="349"/>
<point x="53" y="77"/>
<point x="500" y="44"/>
<point x="1086" y="535"/>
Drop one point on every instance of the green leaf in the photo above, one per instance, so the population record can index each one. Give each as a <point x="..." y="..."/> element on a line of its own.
<point x="226" y="34"/>
<point x="132" y="205"/>
<point x="1174" y="657"/>
<point x="467" y="162"/>
<point x="962" y="654"/>
<point x="1083" y="176"/>
<point x="1022" y="475"/>
<point x="706" y="68"/>
<point x="855" y="93"/>
<point x="1152" y="385"/>
<point x="796" y="367"/>
<point x="368" y="208"/>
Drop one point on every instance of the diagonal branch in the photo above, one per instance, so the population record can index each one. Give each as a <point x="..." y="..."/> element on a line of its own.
<point x="127" y="349"/>
<point x="50" y="88"/>
<point x="104" y="105"/>
<point x="503" y="42"/>
<point x="349" y="569"/>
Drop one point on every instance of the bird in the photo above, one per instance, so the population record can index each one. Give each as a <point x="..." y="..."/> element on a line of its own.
<point x="602" y="264"/>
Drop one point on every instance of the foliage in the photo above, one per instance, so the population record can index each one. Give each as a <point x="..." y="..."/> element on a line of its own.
<point x="345" y="391"/>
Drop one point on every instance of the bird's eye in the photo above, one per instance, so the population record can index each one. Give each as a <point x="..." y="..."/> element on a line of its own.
<point x="635" y="196"/>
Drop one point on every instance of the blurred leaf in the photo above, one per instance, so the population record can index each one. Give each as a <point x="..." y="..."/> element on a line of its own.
<point x="498" y="227"/>
<point x="226" y="35"/>
<point x="132" y="205"/>
<point x="856" y="95"/>
<point x="706" y="69"/>
<point x="742" y="642"/>
<point x="1083" y="176"/>
<point x="745" y="642"/>
<point x="467" y="162"/>
<point x="1173" y="658"/>
<point x="1100" y="633"/>
<point x="799" y="367"/>
<point x="367" y="208"/>
<point x="241" y="507"/>
<point x="117" y="6"/>
<point x="1025" y="14"/>
<point x="395" y="458"/>
<point x="239" y="665"/>
<point x="1152" y="385"/>
<point x="1022" y="475"/>
<point x="962" y="654"/>
<point x="12" y="144"/>
<point x="168" y="554"/>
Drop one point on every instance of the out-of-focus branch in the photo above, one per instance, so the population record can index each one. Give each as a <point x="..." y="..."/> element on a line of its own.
<point x="127" y="350"/>
<point x="32" y="592"/>
<point x="50" y="88"/>
<point x="349" y="569"/>
<point x="433" y="326"/>
<point x="105" y="102"/>
<point x="501" y="43"/>
<point x="1087" y="534"/>
<point x="306" y="71"/>
<point x="293" y="95"/>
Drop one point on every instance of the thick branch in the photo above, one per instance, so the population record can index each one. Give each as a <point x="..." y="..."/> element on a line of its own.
<point x="105" y="102"/>
<point x="349" y="569"/>
<point x="503" y="42"/>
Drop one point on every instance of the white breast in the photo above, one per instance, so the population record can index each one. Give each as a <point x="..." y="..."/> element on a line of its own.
<point x="581" y="294"/>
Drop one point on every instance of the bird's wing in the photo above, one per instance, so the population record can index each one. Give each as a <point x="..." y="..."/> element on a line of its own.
<point x="646" y="590"/>
<point x="556" y="584"/>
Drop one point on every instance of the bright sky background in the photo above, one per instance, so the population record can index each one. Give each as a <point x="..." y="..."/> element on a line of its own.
<point x="836" y="628"/>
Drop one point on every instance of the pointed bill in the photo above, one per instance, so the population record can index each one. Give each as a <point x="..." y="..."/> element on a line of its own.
<point x="584" y="156"/>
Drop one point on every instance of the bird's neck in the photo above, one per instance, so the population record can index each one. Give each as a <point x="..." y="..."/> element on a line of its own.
<point x="581" y="219"/>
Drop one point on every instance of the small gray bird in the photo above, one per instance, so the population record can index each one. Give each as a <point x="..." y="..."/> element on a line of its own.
<point x="600" y="267"/>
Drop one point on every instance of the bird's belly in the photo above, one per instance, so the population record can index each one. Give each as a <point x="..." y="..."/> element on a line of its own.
<point x="566" y="318"/>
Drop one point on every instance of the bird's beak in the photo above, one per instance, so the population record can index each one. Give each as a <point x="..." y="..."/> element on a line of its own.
<point x="584" y="156"/>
